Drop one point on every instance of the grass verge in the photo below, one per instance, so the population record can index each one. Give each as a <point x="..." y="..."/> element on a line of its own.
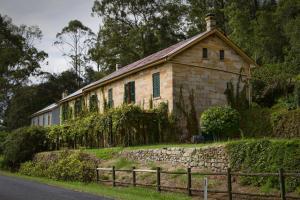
<point x="121" y="193"/>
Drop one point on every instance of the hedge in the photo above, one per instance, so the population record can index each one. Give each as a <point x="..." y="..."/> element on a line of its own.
<point x="64" y="165"/>
<point x="221" y="122"/>
<point x="126" y="125"/>
<point x="265" y="156"/>
<point x="287" y="124"/>
<point x="22" y="144"/>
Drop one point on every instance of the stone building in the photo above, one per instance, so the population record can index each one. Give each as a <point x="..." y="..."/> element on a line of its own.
<point x="48" y="116"/>
<point x="203" y="64"/>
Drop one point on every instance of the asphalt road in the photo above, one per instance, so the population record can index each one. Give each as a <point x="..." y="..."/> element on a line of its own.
<point x="12" y="188"/>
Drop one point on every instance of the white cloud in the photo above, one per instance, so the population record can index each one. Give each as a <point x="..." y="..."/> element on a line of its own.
<point x="51" y="16"/>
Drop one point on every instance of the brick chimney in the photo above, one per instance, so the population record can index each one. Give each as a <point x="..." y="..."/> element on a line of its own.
<point x="210" y="21"/>
<point x="64" y="94"/>
<point x="118" y="66"/>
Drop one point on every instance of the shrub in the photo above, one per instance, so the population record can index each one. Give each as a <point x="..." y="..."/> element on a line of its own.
<point x="287" y="124"/>
<point x="3" y="136"/>
<point x="126" y="125"/>
<point x="265" y="156"/>
<point x="220" y="121"/>
<point x="256" y="122"/>
<point x="22" y="144"/>
<point x="65" y="165"/>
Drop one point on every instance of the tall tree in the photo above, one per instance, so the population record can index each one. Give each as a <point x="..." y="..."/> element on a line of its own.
<point x="197" y="10"/>
<point x="134" y="29"/>
<point x="74" y="41"/>
<point x="19" y="59"/>
<point x="29" y="99"/>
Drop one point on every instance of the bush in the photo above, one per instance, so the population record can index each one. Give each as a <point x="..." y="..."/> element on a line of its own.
<point x="3" y="136"/>
<point x="287" y="124"/>
<point x="220" y="121"/>
<point x="65" y="165"/>
<point x="256" y="122"/>
<point x="265" y="156"/>
<point x="126" y="125"/>
<point x="22" y="144"/>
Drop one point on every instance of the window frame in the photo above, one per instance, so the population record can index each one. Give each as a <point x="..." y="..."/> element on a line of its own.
<point x="94" y="107"/>
<point x="222" y="55"/>
<point x="204" y="53"/>
<point x="129" y="92"/>
<point x="110" y="102"/>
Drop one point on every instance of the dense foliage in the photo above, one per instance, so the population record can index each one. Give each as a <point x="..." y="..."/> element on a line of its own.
<point x="266" y="156"/>
<point x="3" y="136"/>
<point x="126" y="125"/>
<point x="221" y="122"/>
<point x="65" y="165"/>
<point x="256" y="122"/>
<point x="22" y="144"/>
<point x="287" y="124"/>
<point x="19" y="58"/>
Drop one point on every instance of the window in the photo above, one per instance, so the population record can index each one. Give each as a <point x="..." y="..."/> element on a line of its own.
<point x="156" y="84"/>
<point x="222" y="54"/>
<point x="110" y="98"/>
<point x="204" y="53"/>
<point x="44" y="119"/>
<point x="129" y="92"/>
<point x="49" y="119"/>
<point x="78" y="107"/>
<point x="93" y="103"/>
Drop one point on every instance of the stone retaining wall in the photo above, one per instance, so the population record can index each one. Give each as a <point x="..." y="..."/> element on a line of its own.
<point x="213" y="158"/>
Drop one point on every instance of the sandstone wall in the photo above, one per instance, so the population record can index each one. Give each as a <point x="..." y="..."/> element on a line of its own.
<point x="213" y="158"/>
<point x="143" y="88"/>
<point x="206" y="77"/>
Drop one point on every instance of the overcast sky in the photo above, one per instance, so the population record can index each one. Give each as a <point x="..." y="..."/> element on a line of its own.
<point x="51" y="16"/>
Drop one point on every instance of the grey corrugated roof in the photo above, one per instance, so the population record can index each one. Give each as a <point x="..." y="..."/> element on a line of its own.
<point x="46" y="109"/>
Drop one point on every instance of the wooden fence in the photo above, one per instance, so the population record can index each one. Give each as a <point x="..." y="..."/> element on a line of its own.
<point x="191" y="191"/>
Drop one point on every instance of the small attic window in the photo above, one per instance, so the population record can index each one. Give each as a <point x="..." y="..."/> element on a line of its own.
<point x="222" y="54"/>
<point x="204" y="53"/>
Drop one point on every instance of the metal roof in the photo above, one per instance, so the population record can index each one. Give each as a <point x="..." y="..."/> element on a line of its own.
<point x="46" y="109"/>
<point x="147" y="60"/>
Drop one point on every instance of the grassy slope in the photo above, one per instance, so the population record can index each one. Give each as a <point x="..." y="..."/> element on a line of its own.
<point x="122" y="193"/>
<point x="107" y="153"/>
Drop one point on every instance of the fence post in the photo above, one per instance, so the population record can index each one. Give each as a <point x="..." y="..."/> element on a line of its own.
<point x="158" y="179"/>
<point x="97" y="171"/>
<point x="189" y="181"/>
<point x="282" y="184"/>
<point x="205" y="188"/>
<point x="229" y="184"/>
<point x="133" y="177"/>
<point x="114" y="176"/>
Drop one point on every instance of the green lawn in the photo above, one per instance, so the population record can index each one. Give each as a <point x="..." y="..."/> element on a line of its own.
<point x="107" y="153"/>
<point x="122" y="193"/>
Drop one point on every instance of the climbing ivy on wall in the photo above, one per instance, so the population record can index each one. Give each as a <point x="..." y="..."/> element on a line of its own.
<point x="93" y="103"/>
<point x="125" y="125"/>
<point x="189" y="114"/>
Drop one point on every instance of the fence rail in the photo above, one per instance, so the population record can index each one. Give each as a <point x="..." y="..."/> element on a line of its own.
<point x="281" y="176"/>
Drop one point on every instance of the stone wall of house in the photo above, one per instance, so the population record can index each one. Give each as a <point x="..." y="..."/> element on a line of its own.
<point x="208" y="77"/>
<point x="143" y="88"/>
<point x="212" y="158"/>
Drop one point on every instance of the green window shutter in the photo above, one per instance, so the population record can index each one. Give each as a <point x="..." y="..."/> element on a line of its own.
<point x="132" y="92"/>
<point x="93" y="103"/>
<point x="156" y="84"/>
<point x="110" y="98"/>
<point x="204" y="53"/>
